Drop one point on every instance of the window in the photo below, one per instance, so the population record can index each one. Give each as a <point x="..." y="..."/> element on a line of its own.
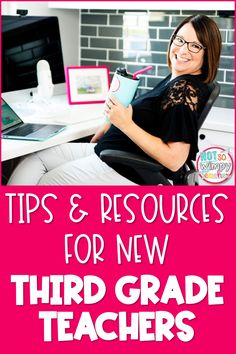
<point x="136" y="35"/>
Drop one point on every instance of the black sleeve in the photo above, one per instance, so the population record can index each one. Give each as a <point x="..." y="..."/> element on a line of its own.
<point x="180" y="111"/>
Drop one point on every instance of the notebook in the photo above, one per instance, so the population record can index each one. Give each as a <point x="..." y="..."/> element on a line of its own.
<point x="14" y="128"/>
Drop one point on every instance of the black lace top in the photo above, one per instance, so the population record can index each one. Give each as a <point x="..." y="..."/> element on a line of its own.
<point x="169" y="111"/>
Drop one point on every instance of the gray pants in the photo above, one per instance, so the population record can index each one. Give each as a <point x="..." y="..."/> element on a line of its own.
<point x="67" y="164"/>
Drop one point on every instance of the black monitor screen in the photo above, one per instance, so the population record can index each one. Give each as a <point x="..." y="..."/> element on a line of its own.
<point x="25" y="41"/>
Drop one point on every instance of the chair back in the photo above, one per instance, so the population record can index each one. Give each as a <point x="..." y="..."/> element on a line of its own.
<point x="190" y="174"/>
<point x="214" y="89"/>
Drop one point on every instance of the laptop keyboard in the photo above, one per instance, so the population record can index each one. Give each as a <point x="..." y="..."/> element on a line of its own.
<point x="26" y="129"/>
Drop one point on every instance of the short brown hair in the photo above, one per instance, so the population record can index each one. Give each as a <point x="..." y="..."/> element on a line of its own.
<point x="209" y="36"/>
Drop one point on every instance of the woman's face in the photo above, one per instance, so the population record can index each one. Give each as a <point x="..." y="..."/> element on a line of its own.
<point x="182" y="60"/>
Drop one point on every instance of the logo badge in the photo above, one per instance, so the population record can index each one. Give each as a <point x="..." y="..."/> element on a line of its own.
<point x="115" y="85"/>
<point x="215" y="165"/>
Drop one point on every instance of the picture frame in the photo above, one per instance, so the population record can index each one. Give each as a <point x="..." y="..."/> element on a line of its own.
<point x="87" y="84"/>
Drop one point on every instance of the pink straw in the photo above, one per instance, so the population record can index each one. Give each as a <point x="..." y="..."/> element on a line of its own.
<point x="141" y="71"/>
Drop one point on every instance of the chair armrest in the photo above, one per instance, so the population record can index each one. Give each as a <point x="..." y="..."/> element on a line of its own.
<point x="150" y="170"/>
<point x="130" y="159"/>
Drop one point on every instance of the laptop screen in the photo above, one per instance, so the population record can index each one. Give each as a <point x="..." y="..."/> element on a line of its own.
<point x="9" y="117"/>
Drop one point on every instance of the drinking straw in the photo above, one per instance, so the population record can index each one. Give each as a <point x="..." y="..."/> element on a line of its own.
<point x="141" y="71"/>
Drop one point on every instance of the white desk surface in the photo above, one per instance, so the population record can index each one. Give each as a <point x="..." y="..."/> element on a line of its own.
<point x="88" y="119"/>
<point x="83" y="120"/>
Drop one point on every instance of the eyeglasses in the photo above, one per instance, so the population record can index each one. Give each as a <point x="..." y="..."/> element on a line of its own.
<point x="192" y="46"/>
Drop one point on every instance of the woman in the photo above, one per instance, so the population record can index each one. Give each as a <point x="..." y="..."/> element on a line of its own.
<point x="161" y="124"/>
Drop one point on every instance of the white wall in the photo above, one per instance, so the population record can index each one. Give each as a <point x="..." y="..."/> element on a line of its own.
<point x="68" y="21"/>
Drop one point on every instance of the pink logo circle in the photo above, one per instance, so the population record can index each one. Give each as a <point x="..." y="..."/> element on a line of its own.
<point x="115" y="85"/>
<point x="215" y="165"/>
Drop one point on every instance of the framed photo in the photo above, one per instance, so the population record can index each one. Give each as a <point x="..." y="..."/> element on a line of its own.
<point x="87" y="84"/>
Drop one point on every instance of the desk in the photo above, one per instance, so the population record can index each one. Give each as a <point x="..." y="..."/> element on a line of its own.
<point x="84" y="119"/>
<point x="218" y="129"/>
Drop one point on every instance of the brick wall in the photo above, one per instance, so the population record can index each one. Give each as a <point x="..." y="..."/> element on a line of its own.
<point x="135" y="39"/>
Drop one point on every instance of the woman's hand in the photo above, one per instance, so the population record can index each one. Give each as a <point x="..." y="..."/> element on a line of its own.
<point x="119" y="115"/>
<point x="100" y="133"/>
<point x="172" y="155"/>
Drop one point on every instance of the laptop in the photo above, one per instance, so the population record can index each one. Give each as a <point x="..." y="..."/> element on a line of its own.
<point x="14" y="128"/>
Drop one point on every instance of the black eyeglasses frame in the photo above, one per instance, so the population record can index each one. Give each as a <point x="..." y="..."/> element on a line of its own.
<point x="200" y="45"/>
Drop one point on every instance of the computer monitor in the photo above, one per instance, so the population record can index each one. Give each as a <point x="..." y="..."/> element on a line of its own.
<point x="25" y="41"/>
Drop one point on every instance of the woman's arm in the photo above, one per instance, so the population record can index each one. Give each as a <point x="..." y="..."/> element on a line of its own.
<point x="101" y="131"/>
<point x="171" y="155"/>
